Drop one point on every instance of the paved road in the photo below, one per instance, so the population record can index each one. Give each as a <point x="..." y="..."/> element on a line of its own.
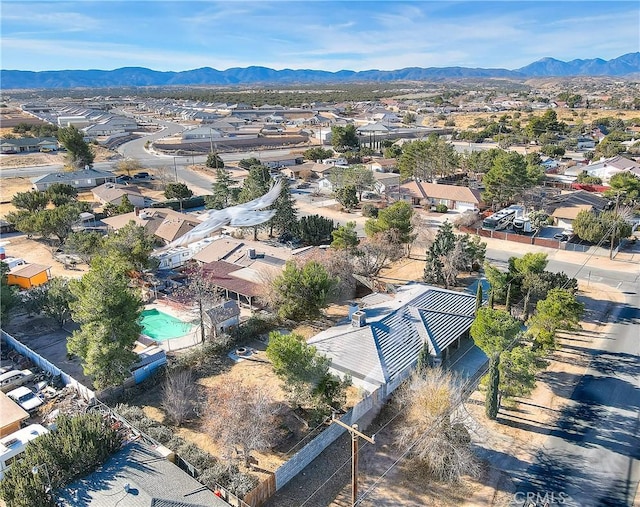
<point x="591" y="458"/>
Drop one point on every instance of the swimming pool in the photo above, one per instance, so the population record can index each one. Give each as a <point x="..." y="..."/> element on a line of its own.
<point x="160" y="326"/>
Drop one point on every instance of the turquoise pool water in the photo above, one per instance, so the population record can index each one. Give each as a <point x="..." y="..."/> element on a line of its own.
<point x="160" y="326"/>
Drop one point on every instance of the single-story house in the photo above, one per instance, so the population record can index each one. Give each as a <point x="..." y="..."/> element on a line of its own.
<point x="29" y="275"/>
<point x="380" y="343"/>
<point x="384" y="165"/>
<point x="85" y="178"/>
<point x="12" y="415"/>
<point x="565" y="215"/>
<point x="605" y="168"/>
<point x="140" y="476"/>
<point x="454" y="197"/>
<point x="386" y="182"/>
<point x="204" y="133"/>
<point x="218" y="250"/>
<point x="586" y="143"/>
<point x="112" y="193"/>
<point x="576" y="199"/>
<point x="273" y="162"/>
<point x="28" y="144"/>
<point x="164" y="223"/>
<point x="110" y="126"/>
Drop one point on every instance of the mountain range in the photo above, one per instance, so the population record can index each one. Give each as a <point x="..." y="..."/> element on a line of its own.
<point x="140" y="76"/>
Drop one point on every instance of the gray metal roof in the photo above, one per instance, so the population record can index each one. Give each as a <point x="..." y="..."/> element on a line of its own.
<point x="152" y="481"/>
<point x="84" y="174"/>
<point x="397" y="328"/>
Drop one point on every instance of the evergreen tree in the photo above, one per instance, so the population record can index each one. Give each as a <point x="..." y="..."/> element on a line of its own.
<point x="494" y="332"/>
<point x="221" y="190"/>
<point x="492" y="400"/>
<point x="315" y="230"/>
<point x="285" y="219"/>
<point x="107" y="311"/>
<point x="79" y="152"/>
<point x="479" y="296"/>
<point x="256" y="184"/>
<point x="214" y="161"/>
<point x="178" y="191"/>
<point x="345" y="237"/>
<point x="8" y="297"/>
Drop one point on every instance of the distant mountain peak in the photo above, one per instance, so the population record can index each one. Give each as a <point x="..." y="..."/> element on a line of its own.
<point x="141" y="76"/>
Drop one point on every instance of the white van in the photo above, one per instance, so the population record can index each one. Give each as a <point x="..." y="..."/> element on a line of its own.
<point x="13" y="445"/>
<point x="14" y="378"/>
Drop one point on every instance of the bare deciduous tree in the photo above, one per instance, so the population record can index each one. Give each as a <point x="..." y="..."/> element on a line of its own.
<point x="179" y="396"/>
<point x="376" y="252"/>
<point x="241" y="416"/>
<point x="433" y="427"/>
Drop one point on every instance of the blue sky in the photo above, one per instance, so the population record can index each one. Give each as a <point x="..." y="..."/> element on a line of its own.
<point x="355" y="35"/>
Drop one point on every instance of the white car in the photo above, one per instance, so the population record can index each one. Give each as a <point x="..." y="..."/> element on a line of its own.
<point x="26" y="398"/>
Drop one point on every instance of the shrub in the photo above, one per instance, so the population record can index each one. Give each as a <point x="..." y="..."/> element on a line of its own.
<point x="441" y="208"/>
<point x="253" y="328"/>
<point x="369" y="210"/>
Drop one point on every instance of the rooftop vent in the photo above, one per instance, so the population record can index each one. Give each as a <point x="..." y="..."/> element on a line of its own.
<point x="358" y="319"/>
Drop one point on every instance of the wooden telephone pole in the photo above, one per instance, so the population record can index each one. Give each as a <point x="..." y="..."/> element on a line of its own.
<point x="353" y="429"/>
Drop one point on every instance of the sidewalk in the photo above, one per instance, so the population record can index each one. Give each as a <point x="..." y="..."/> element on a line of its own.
<point x="628" y="262"/>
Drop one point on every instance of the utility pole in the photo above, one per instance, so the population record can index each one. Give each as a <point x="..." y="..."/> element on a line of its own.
<point x="615" y="226"/>
<point x="353" y="429"/>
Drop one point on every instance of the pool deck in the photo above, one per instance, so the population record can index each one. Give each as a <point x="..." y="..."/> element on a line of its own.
<point x="188" y="340"/>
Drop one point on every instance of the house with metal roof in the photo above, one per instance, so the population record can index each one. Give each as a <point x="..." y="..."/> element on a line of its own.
<point x="27" y="276"/>
<point x="28" y="144"/>
<point x="85" y="178"/>
<point x="138" y="476"/>
<point x="380" y="343"/>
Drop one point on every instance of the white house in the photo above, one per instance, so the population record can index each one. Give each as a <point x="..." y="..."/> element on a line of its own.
<point x="85" y="178"/>
<point x="381" y="342"/>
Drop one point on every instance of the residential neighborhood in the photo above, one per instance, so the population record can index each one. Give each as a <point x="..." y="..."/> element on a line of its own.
<point x="222" y="293"/>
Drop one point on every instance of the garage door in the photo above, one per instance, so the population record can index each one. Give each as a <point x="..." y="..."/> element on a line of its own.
<point x="465" y="206"/>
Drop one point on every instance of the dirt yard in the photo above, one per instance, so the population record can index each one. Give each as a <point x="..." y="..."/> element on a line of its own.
<point x="465" y="120"/>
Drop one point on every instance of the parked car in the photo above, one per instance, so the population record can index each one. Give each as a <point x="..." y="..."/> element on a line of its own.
<point x="561" y="236"/>
<point x="14" y="378"/>
<point x="123" y="178"/>
<point x="142" y="176"/>
<point x="26" y="398"/>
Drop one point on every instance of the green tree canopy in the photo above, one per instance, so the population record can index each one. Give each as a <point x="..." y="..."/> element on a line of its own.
<point x="8" y="298"/>
<point x="345" y="237"/>
<point x="344" y="138"/>
<point x="599" y="227"/>
<point x="79" y="152"/>
<point x="508" y="177"/>
<point x="133" y="246"/>
<point x="248" y="163"/>
<point x="107" y="311"/>
<point x="315" y="230"/>
<point x="428" y="159"/>
<point x="221" y="189"/>
<point x="214" y="161"/>
<point x="626" y="185"/>
<point x="317" y="153"/>
<point x="178" y="191"/>
<point x="62" y="193"/>
<point x="302" y="292"/>
<point x="347" y="196"/>
<point x="32" y="201"/>
<point x="304" y="372"/>
<point x="78" y="445"/>
<point x="396" y="219"/>
<point x="493" y="330"/>
<point x="285" y="219"/>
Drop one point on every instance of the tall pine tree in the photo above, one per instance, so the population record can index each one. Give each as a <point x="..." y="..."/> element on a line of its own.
<point x="255" y="185"/>
<point x="285" y="219"/>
